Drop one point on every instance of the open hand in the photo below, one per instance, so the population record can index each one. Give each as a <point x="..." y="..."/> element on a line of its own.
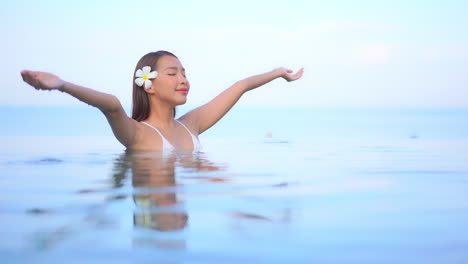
<point x="42" y="80"/>
<point x="289" y="75"/>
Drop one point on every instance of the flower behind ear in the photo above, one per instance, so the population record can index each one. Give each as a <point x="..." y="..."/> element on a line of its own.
<point x="144" y="77"/>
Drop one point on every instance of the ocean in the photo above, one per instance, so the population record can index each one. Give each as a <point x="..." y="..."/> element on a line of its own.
<point x="271" y="185"/>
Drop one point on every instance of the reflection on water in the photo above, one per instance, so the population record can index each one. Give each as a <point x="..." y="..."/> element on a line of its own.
<point x="284" y="203"/>
<point x="350" y="187"/>
<point x="156" y="190"/>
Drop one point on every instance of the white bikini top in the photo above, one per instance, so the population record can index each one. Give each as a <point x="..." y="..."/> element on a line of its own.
<point x="167" y="146"/>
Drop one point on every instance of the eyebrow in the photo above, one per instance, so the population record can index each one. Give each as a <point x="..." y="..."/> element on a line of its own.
<point x="174" y="68"/>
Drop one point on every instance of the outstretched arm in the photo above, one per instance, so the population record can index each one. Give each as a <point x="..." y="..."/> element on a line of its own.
<point x="122" y="126"/>
<point x="207" y="115"/>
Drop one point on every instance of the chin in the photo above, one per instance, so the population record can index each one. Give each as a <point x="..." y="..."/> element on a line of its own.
<point x="181" y="102"/>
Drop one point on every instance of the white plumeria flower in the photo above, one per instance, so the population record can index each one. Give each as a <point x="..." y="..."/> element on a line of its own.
<point x="144" y="76"/>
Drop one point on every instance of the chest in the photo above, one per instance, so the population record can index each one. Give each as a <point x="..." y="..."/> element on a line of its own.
<point x="160" y="139"/>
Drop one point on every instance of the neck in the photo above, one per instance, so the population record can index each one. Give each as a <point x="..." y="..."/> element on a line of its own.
<point x="161" y="113"/>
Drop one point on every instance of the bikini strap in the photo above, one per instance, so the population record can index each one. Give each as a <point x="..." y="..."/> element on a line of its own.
<point x="155" y="129"/>
<point x="184" y="127"/>
<point x="166" y="143"/>
<point x="196" y="142"/>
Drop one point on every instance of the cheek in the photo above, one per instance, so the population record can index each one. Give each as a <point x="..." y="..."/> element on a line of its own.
<point x="167" y="82"/>
<point x="171" y="81"/>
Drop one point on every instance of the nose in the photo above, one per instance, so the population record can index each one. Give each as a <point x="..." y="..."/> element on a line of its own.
<point x="183" y="79"/>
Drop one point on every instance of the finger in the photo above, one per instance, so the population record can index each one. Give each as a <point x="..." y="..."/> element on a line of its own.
<point x="27" y="78"/>
<point x="297" y="75"/>
<point x="35" y="80"/>
<point x="31" y="80"/>
<point x="23" y="75"/>
<point x="300" y="71"/>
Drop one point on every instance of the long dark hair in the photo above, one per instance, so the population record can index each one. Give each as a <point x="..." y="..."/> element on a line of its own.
<point x="141" y="105"/>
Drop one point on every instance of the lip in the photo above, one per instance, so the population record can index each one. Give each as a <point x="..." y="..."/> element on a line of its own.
<point x="182" y="90"/>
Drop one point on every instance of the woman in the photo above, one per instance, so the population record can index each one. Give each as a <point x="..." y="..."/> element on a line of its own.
<point x="159" y="86"/>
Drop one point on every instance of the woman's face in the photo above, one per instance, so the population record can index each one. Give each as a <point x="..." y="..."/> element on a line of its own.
<point x="171" y="85"/>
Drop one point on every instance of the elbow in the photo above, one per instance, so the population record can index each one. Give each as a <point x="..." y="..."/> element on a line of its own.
<point x="241" y="86"/>
<point x="113" y="105"/>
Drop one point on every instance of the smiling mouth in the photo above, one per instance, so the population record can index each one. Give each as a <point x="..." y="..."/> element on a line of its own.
<point x="183" y="90"/>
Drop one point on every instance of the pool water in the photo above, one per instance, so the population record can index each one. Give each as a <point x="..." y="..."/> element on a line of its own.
<point x="268" y="193"/>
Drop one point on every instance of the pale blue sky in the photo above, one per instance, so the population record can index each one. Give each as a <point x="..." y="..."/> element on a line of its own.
<point x="356" y="53"/>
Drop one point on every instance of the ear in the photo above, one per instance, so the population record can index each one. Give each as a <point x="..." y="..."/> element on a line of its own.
<point x="151" y="90"/>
